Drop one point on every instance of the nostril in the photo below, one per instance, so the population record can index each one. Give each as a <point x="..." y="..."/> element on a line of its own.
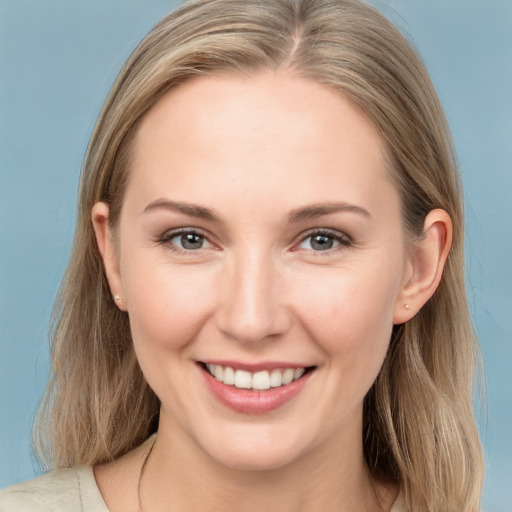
<point x="251" y="325"/>
<point x="251" y="309"/>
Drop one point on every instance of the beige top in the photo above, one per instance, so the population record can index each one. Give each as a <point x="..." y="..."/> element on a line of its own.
<point x="65" y="490"/>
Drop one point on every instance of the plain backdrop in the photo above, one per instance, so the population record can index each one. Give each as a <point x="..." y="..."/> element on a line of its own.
<point x="58" y="59"/>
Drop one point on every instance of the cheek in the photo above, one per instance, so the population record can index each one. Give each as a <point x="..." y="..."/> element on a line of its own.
<point x="349" y="314"/>
<point x="167" y="308"/>
<point x="168" y="305"/>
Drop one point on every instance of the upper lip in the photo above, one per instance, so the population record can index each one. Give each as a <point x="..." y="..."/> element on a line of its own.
<point x="255" y="367"/>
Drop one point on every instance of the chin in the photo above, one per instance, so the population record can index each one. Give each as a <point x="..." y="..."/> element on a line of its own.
<point x="255" y="460"/>
<point x="256" y="452"/>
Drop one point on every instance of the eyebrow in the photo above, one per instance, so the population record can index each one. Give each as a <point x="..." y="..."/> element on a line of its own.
<point x="299" y="215"/>
<point x="318" y="210"/>
<point x="186" y="208"/>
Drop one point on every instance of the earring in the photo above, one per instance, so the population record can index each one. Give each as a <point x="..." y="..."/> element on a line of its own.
<point x="119" y="300"/>
<point x="407" y="306"/>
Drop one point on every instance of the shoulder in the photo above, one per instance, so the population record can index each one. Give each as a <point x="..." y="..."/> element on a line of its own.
<point x="59" y="490"/>
<point x="64" y="490"/>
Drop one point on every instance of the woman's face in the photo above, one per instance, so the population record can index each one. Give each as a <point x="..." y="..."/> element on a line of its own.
<point x="260" y="235"/>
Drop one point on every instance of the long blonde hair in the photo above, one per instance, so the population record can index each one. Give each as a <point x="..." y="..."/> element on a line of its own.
<point x="418" y="421"/>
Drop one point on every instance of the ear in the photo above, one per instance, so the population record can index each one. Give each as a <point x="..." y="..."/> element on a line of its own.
<point x="426" y="263"/>
<point x="109" y="255"/>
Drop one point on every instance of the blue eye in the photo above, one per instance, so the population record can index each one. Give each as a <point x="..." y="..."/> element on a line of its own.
<point x="322" y="241"/>
<point x="190" y="241"/>
<point x="185" y="241"/>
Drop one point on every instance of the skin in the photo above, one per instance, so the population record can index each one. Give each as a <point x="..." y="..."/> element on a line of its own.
<point x="255" y="151"/>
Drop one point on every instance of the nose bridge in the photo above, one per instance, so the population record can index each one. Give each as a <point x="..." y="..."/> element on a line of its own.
<point x="253" y="308"/>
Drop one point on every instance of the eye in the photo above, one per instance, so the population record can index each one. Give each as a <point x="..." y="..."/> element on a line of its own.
<point x="185" y="240"/>
<point x="323" y="241"/>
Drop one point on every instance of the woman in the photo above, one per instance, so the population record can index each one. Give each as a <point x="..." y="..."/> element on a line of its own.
<point x="268" y="275"/>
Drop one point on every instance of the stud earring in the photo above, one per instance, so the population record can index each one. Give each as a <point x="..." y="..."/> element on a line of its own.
<point x="407" y="306"/>
<point x="118" y="300"/>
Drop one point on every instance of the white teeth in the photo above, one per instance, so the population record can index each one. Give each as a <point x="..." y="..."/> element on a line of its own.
<point x="275" y="378"/>
<point x="261" y="380"/>
<point x="218" y="372"/>
<point x="258" y="381"/>
<point x="243" y="379"/>
<point x="298" y="373"/>
<point x="287" y="376"/>
<point x="229" y="376"/>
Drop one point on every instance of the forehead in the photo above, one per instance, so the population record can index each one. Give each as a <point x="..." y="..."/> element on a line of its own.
<point x="258" y="138"/>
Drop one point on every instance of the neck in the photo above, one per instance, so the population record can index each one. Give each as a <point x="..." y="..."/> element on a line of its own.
<point x="327" y="478"/>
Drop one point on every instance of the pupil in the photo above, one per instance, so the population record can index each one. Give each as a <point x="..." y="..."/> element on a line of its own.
<point x="321" y="242"/>
<point x="191" y="241"/>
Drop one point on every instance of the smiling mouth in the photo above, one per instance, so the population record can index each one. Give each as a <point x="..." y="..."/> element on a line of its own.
<point x="255" y="381"/>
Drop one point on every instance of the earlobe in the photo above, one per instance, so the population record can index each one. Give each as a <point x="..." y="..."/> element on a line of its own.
<point x="427" y="260"/>
<point x="107" y="249"/>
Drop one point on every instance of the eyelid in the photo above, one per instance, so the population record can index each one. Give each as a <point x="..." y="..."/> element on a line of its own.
<point x="168" y="235"/>
<point x="342" y="238"/>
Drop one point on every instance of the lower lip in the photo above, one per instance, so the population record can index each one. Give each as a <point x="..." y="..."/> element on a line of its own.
<point x="247" y="401"/>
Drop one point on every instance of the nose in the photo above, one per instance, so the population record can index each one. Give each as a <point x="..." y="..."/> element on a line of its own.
<point x="253" y="308"/>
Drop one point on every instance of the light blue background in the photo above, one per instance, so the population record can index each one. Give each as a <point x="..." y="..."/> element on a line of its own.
<point x="57" y="61"/>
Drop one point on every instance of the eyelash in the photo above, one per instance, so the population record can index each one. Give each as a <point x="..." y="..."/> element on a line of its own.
<point x="166" y="238"/>
<point x="342" y="239"/>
